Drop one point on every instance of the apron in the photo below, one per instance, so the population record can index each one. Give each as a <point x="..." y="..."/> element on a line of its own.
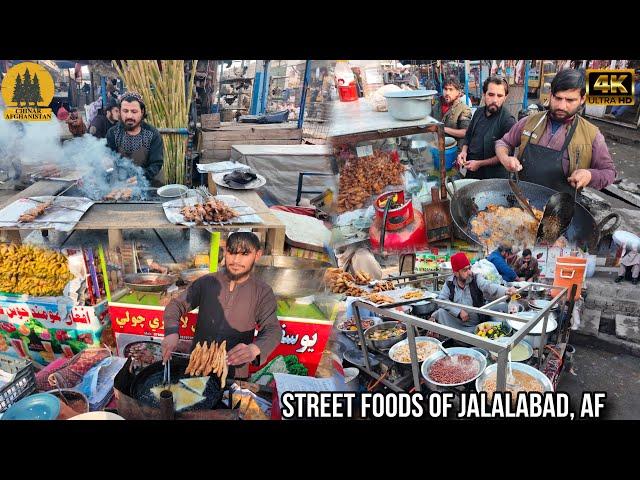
<point x="139" y="158"/>
<point x="543" y="166"/>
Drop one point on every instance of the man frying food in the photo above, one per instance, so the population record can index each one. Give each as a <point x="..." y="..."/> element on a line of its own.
<point x="232" y="304"/>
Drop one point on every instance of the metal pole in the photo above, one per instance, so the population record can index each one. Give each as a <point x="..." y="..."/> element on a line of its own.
<point x="467" y="70"/>
<point x="525" y="99"/>
<point x="305" y="88"/>
<point x="103" y="91"/>
<point x="220" y="85"/>
<point x="265" y="87"/>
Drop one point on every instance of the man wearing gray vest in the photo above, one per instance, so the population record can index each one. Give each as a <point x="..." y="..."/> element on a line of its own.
<point x="558" y="148"/>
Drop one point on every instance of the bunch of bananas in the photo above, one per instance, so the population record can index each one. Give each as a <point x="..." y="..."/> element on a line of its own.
<point x="32" y="270"/>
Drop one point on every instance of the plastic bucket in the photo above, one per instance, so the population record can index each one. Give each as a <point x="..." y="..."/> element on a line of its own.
<point x="569" y="271"/>
<point x="348" y="93"/>
<point x="450" y="154"/>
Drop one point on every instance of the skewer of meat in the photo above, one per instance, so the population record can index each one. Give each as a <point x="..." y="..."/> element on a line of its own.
<point x="33" y="213"/>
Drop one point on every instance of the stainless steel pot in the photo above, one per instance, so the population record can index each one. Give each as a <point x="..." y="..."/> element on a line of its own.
<point x="410" y="105"/>
<point x="291" y="276"/>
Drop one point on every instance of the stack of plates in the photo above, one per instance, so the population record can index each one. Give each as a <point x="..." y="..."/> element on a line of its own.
<point x="541" y="304"/>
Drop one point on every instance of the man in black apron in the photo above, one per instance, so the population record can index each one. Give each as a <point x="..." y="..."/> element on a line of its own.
<point x="489" y="123"/>
<point x="135" y="139"/>
<point x="232" y="304"/>
<point x="559" y="149"/>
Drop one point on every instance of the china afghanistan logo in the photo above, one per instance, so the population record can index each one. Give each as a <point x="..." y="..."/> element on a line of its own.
<point x="27" y="90"/>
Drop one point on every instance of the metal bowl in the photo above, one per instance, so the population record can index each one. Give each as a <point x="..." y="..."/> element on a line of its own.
<point x="140" y="282"/>
<point x="395" y="348"/>
<point x="389" y="342"/>
<point x="426" y="366"/>
<point x="523" y="367"/>
<point x="504" y="323"/>
<point x="505" y="340"/>
<point x="376" y="321"/>
<point x="503" y="308"/>
<point x="172" y="191"/>
<point x="291" y="276"/>
<point x="193" y="274"/>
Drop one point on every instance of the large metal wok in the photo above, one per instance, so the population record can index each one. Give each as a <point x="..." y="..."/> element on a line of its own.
<point x="291" y="276"/>
<point x="149" y="282"/>
<point x="468" y="201"/>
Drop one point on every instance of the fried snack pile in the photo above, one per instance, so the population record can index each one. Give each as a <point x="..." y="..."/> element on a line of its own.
<point x="207" y="359"/>
<point x="383" y="287"/>
<point x="497" y="224"/>
<point x="119" y="194"/>
<point x="340" y="281"/>
<point x="211" y="211"/>
<point x="362" y="177"/>
<point x="414" y="294"/>
<point x="378" y="298"/>
<point x="32" y="270"/>
<point x="33" y="213"/>
<point x="362" y="278"/>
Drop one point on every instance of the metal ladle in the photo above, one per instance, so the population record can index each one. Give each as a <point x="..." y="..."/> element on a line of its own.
<point x="557" y="216"/>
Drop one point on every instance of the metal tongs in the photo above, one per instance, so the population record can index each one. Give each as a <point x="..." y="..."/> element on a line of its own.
<point x="522" y="200"/>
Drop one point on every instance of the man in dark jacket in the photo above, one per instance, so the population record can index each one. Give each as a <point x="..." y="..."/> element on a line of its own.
<point x="136" y="139"/>
<point x="105" y="119"/>
<point x="489" y="123"/>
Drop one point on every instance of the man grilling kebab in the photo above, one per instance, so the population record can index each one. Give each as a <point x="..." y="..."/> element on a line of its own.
<point x="232" y="304"/>
<point x="134" y="138"/>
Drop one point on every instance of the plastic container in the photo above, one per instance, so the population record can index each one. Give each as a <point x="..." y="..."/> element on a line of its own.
<point x="569" y="271"/>
<point x="345" y="81"/>
<point x="450" y="153"/>
<point x="23" y="384"/>
<point x="348" y="93"/>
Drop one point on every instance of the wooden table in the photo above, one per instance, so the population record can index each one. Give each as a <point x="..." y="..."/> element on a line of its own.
<point x="118" y="217"/>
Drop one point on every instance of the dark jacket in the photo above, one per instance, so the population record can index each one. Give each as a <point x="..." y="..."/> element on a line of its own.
<point x="152" y="148"/>
<point x="100" y="125"/>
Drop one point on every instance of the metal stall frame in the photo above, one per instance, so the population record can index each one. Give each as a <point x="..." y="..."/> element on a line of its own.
<point x="500" y="349"/>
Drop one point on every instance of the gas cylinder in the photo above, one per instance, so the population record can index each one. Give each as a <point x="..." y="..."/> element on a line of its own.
<point x="405" y="229"/>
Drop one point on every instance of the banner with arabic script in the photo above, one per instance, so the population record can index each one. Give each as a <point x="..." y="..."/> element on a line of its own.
<point x="306" y="339"/>
<point x="43" y="331"/>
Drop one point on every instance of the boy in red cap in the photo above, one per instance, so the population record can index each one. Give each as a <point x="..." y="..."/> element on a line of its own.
<point x="467" y="289"/>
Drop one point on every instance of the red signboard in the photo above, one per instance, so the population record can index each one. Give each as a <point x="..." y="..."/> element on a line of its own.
<point x="305" y="339"/>
<point x="138" y="320"/>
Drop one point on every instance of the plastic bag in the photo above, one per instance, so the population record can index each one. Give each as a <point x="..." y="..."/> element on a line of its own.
<point x="378" y="102"/>
<point x="97" y="383"/>
<point x="488" y="270"/>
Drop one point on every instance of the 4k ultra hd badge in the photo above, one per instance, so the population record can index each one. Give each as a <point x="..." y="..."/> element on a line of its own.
<point x="27" y="90"/>
<point x="610" y="87"/>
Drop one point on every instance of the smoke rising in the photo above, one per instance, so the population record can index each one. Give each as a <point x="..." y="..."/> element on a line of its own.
<point x="36" y="146"/>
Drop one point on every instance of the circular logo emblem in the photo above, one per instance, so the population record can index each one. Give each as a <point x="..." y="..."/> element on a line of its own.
<point x="27" y="90"/>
